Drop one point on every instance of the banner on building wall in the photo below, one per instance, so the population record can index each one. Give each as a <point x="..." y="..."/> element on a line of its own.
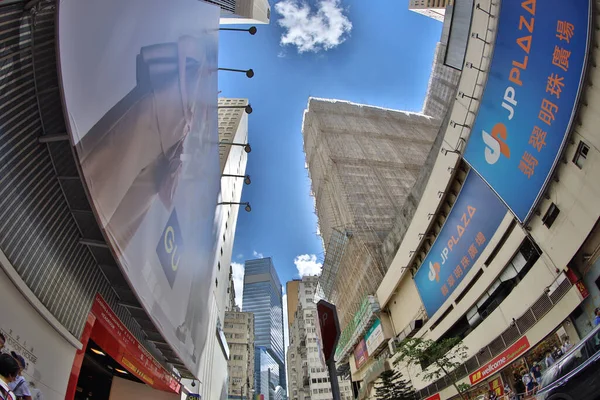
<point x="139" y="84"/>
<point x="473" y="220"/>
<point x="530" y="98"/>
<point x="115" y="339"/>
<point x="374" y="337"/>
<point x="504" y="359"/>
<point x="361" y="354"/>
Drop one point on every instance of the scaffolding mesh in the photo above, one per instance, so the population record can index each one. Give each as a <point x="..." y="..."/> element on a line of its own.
<point x="362" y="161"/>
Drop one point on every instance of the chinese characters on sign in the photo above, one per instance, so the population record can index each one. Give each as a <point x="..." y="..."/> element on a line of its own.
<point x="530" y="97"/>
<point x="473" y="220"/>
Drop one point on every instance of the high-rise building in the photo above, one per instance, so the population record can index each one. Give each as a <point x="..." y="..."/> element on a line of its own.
<point x="239" y="332"/>
<point x="441" y="90"/>
<point x="243" y="11"/>
<point x="263" y="297"/>
<point x="435" y="9"/>
<point x="363" y="162"/>
<point x="233" y="127"/>
<point x="308" y="375"/>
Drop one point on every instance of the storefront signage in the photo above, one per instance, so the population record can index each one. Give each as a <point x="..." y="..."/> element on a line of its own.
<point x="116" y="340"/>
<point x="434" y="397"/>
<point x="496" y="386"/>
<point x="374" y="337"/>
<point x="501" y="361"/>
<point x="473" y="220"/>
<point x="361" y="354"/>
<point x="530" y="98"/>
<point x="357" y="326"/>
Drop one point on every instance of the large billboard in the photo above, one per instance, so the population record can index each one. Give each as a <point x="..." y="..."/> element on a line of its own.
<point x="530" y="98"/>
<point x="473" y="220"/>
<point x="139" y="83"/>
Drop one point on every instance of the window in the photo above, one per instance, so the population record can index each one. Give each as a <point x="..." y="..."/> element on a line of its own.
<point x="550" y="215"/>
<point x="219" y="265"/>
<point x="216" y="282"/>
<point x="581" y="154"/>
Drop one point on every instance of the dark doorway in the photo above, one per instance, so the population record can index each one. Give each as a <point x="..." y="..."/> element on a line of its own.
<point x="97" y="371"/>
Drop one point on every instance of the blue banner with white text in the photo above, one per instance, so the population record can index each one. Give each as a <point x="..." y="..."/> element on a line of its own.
<point x="530" y="97"/>
<point x="473" y="220"/>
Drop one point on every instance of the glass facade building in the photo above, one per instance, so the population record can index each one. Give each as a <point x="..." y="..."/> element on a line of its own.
<point x="263" y="297"/>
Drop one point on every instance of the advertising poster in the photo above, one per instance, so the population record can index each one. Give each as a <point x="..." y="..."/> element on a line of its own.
<point x="529" y="101"/>
<point x="374" y="336"/>
<point x="139" y="83"/>
<point x="360" y="354"/>
<point x="473" y="220"/>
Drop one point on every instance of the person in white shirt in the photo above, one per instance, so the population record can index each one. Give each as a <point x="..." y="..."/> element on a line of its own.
<point x="9" y="370"/>
<point x="19" y="386"/>
<point x="566" y="345"/>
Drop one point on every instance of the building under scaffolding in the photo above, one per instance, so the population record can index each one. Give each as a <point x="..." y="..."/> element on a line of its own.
<point x="363" y="162"/>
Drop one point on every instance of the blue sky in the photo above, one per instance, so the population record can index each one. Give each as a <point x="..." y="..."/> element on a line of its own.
<point x="378" y="53"/>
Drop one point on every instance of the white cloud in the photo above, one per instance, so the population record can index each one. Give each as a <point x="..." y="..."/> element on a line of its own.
<point x="240" y="256"/>
<point x="238" y="282"/>
<point x="257" y="254"/>
<point x="281" y="54"/>
<point x="313" y="30"/>
<point x="307" y="264"/>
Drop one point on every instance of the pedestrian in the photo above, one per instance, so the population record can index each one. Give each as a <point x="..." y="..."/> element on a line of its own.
<point x="597" y="319"/>
<point x="19" y="386"/>
<point x="536" y="372"/>
<point x="519" y="386"/>
<point x="528" y="381"/>
<point x="557" y="353"/>
<point x="549" y="360"/>
<point x="492" y="395"/>
<point x="566" y="345"/>
<point x="9" y="370"/>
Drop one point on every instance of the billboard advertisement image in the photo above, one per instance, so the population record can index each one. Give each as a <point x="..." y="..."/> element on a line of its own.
<point x="473" y="220"/>
<point x="374" y="337"/>
<point x="361" y="354"/>
<point x="139" y="85"/>
<point x="529" y="101"/>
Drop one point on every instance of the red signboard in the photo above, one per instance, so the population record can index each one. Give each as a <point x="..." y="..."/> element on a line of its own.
<point x="434" y="397"/>
<point x="501" y="361"/>
<point x="361" y="355"/>
<point x="115" y="339"/>
<point x="329" y="328"/>
<point x="496" y="386"/>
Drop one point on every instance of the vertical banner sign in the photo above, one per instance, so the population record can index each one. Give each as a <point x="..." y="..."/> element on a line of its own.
<point x="361" y="355"/>
<point x="530" y="98"/>
<point x="473" y="220"/>
<point x="374" y="337"/>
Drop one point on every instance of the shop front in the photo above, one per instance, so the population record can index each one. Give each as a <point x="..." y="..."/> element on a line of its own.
<point x="114" y="365"/>
<point x="519" y="364"/>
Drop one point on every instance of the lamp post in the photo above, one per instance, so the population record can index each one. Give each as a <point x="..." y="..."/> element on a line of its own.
<point x="249" y="72"/>
<point x="247" y="180"/>
<point x="246" y="146"/>
<point x="252" y="30"/>
<point x="247" y="108"/>
<point x="247" y="204"/>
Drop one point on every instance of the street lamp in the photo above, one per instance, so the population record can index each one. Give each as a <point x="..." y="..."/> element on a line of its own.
<point x="246" y="146"/>
<point x="247" y="204"/>
<point x="249" y="72"/>
<point x="252" y="30"/>
<point x="247" y="180"/>
<point x="247" y="108"/>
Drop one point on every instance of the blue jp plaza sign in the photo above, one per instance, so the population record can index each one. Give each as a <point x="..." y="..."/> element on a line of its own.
<point x="530" y="98"/>
<point x="473" y="220"/>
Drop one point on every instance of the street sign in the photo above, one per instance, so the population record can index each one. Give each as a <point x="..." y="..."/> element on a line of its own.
<point x="328" y="331"/>
<point x="329" y="328"/>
